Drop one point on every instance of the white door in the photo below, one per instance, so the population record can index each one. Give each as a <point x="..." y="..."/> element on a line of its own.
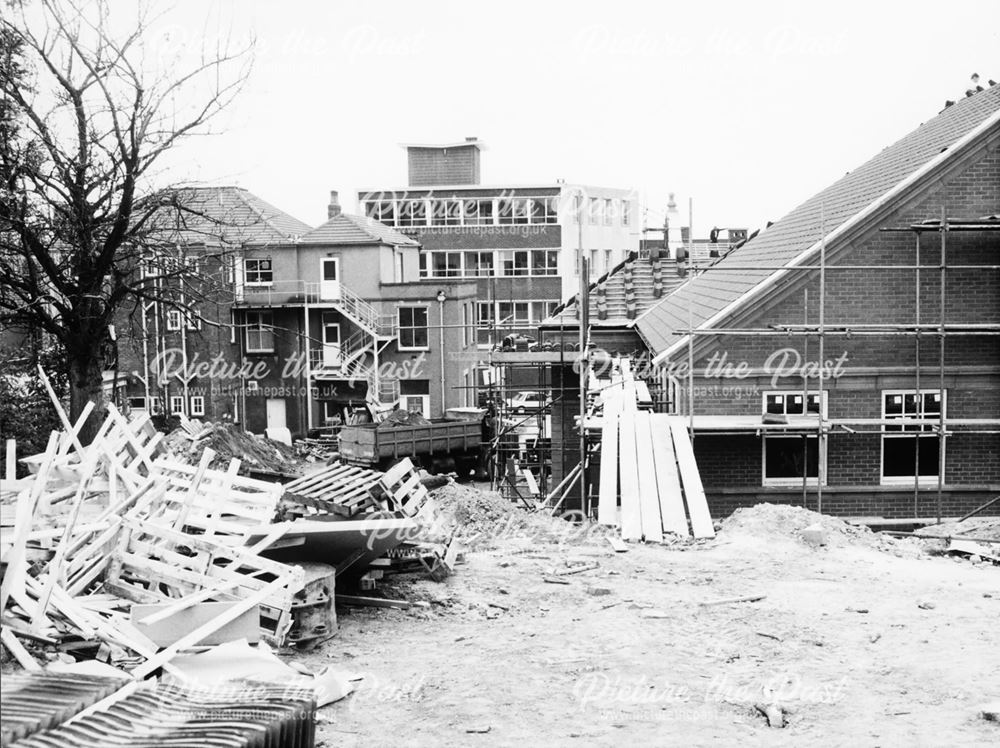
<point x="329" y="286"/>
<point x="331" y="343"/>
<point x="275" y="413"/>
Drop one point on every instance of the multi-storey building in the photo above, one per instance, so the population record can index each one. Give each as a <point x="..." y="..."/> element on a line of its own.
<point x="519" y="243"/>
<point x="338" y="321"/>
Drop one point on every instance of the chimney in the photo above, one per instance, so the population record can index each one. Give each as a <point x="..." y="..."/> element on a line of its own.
<point x="333" y="209"/>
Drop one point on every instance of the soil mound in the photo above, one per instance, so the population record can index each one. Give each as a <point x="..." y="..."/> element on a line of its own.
<point x="484" y="518"/>
<point x="785" y="522"/>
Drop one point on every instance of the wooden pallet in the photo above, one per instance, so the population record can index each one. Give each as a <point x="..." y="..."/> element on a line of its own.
<point x="341" y="489"/>
<point x="156" y="564"/>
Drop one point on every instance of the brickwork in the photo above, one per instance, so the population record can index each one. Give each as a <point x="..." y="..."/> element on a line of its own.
<point x="732" y="466"/>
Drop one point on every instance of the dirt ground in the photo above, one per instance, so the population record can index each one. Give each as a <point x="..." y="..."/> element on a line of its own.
<point x="866" y="641"/>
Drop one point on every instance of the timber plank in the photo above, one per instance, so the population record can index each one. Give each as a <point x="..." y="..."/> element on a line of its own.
<point x="629" y="471"/>
<point x="607" y="503"/>
<point x="667" y="478"/>
<point x="694" y="492"/>
<point x="649" y="498"/>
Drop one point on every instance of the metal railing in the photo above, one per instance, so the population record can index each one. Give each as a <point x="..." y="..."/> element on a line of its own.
<point x="363" y="313"/>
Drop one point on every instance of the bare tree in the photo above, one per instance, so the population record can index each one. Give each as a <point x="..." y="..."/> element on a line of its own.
<point x="87" y="228"/>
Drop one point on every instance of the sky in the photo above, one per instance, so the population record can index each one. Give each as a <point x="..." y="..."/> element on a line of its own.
<point x="744" y="108"/>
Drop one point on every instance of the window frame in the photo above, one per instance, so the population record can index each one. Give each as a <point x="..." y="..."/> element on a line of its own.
<point x="260" y="327"/>
<point x="174" y="320"/>
<point x="786" y="482"/>
<point x="400" y="327"/>
<point x="196" y="406"/>
<point x="913" y="432"/>
<point x="258" y="273"/>
<point x="176" y="404"/>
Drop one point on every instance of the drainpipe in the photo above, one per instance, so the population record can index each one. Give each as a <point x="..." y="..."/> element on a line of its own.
<point x="441" y="299"/>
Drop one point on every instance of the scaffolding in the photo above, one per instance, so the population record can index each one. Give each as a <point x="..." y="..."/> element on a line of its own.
<point x="821" y="426"/>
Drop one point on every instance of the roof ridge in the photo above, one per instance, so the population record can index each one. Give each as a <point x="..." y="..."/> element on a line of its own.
<point x="800" y="234"/>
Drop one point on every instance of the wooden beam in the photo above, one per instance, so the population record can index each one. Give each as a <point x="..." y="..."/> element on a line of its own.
<point x="649" y="497"/>
<point x="694" y="493"/>
<point x="667" y="478"/>
<point x="607" y="501"/>
<point x="629" y="472"/>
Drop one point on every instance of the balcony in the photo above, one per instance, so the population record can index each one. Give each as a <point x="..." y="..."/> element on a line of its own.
<point x="279" y="293"/>
<point x="330" y="294"/>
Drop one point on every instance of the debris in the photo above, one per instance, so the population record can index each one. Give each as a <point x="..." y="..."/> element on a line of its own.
<point x="373" y="602"/>
<point x="165" y="631"/>
<point x="856" y="610"/>
<point x="552" y="580"/>
<point x="478" y="730"/>
<point x="598" y="591"/>
<point x="728" y="600"/>
<point x="926" y="606"/>
<point x="577" y="569"/>
<point x="814" y="535"/>
<point x="773" y="712"/>
<point x="990" y="712"/>
<point x="874" y="638"/>
<point x="619" y="545"/>
<point x="768" y="636"/>
<point x="654" y="614"/>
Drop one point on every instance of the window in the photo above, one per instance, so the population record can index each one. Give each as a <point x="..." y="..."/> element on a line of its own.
<point x="544" y="210"/>
<point x="412" y="327"/>
<point x="479" y="264"/>
<point x="260" y="332"/>
<point x="383" y="211"/>
<point x="909" y="446"/>
<point x="788" y="457"/>
<point x="484" y="320"/>
<point x="258" y="272"/>
<point x="446" y="212"/>
<point x="415" y="396"/>
<point x="608" y="260"/>
<point x="192" y="320"/>
<point x="544" y="262"/>
<point x="137" y="403"/>
<point x="173" y="319"/>
<point x="446" y="264"/>
<point x="412" y="213"/>
<point x="609" y="212"/>
<point x="626" y="213"/>
<point x="176" y="404"/>
<point x="514" y="262"/>
<point x="513" y="210"/>
<point x="596" y="208"/>
<point x="197" y="405"/>
<point x="478" y="212"/>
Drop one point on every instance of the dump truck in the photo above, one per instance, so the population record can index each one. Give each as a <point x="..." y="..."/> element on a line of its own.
<point x="438" y="446"/>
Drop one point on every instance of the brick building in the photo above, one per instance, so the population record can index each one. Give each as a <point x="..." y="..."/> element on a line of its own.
<point x="849" y="353"/>
<point x="164" y="355"/>
<point x="339" y="320"/>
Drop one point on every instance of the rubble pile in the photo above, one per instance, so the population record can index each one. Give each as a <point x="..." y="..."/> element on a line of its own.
<point x="786" y="522"/>
<point x="121" y="552"/>
<point x="228" y="441"/>
<point x="482" y="518"/>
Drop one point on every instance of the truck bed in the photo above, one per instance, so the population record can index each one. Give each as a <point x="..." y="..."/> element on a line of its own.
<point x="368" y="445"/>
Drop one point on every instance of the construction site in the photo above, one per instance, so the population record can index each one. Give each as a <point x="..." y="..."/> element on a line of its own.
<point x="513" y="464"/>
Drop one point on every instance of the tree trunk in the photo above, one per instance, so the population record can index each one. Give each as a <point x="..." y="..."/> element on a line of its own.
<point x="86" y="383"/>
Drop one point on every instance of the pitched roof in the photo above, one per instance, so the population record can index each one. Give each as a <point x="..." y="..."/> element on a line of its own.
<point x="796" y="237"/>
<point x="614" y="285"/>
<point x="350" y="229"/>
<point x="229" y="215"/>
